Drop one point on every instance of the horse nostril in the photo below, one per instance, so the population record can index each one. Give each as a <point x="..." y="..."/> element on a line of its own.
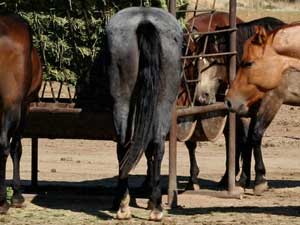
<point x="206" y="94"/>
<point x="228" y="104"/>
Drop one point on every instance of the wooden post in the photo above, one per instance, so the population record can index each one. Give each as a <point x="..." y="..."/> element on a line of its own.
<point x="34" y="162"/>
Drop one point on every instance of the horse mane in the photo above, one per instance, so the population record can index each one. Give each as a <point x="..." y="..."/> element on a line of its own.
<point x="245" y="31"/>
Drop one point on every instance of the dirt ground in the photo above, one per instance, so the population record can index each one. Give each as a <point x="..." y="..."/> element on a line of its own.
<point x="81" y="175"/>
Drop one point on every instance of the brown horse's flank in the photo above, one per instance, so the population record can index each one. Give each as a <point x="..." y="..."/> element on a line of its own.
<point x="21" y="76"/>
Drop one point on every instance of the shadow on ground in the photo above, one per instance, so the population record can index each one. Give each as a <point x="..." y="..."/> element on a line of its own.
<point x="95" y="197"/>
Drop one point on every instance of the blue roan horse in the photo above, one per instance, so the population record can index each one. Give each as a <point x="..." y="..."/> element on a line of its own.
<point x="143" y="64"/>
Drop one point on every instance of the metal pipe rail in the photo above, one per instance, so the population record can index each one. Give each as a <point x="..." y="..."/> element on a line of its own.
<point x="232" y="192"/>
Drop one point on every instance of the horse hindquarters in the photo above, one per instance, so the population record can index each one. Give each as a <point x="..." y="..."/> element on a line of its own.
<point x="136" y="114"/>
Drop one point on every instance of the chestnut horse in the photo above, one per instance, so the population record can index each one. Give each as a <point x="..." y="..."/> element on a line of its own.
<point x="21" y="76"/>
<point x="269" y="76"/>
<point x="200" y="23"/>
<point x="144" y="65"/>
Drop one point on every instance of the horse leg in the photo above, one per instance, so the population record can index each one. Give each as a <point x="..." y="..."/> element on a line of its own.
<point x="156" y="198"/>
<point x="194" y="169"/>
<point x="223" y="183"/>
<point x="10" y="120"/>
<point x="266" y="113"/>
<point x="147" y="184"/>
<point x="4" y="152"/>
<point x="245" y="148"/>
<point x="122" y="199"/>
<point x="16" y="153"/>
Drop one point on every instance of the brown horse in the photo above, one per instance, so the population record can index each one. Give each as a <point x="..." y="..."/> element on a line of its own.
<point x="21" y="76"/>
<point x="200" y="23"/>
<point x="269" y="76"/>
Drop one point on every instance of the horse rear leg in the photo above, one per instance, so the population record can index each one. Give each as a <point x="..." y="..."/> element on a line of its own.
<point x="147" y="184"/>
<point x="16" y="153"/>
<point x="4" y="151"/>
<point x="122" y="199"/>
<point x="156" y="198"/>
<point x="9" y="121"/>
<point x="194" y="169"/>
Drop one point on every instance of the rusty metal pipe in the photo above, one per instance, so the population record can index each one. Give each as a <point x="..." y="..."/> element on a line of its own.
<point x="232" y="116"/>
<point x="172" y="7"/>
<point x="172" y="189"/>
<point x="209" y="55"/>
<point x="211" y="32"/>
<point x="200" y="109"/>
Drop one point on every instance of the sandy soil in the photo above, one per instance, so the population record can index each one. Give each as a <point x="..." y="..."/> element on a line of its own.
<point x="81" y="175"/>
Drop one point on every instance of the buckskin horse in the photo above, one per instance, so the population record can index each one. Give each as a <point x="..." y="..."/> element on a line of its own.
<point x="214" y="70"/>
<point x="21" y="76"/>
<point x="144" y="50"/>
<point x="268" y="77"/>
<point x="202" y="23"/>
<point x="214" y="74"/>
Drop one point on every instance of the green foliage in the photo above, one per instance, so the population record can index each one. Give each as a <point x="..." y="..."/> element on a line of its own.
<point x="69" y="33"/>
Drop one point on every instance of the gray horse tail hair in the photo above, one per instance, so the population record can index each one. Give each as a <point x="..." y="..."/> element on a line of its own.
<point x="145" y="96"/>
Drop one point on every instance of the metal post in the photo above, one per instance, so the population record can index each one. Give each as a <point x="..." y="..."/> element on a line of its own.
<point x="34" y="162"/>
<point x="172" y="7"/>
<point x="232" y="121"/>
<point x="172" y="190"/>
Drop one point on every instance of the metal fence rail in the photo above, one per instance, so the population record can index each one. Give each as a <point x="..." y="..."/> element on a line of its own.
<point x="191" y="109"/>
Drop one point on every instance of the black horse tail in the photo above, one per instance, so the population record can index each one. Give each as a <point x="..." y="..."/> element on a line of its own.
<point x="145" y="96"/>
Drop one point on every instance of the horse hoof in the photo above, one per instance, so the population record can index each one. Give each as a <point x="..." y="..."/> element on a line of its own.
<point x="17" y="201"/>
<point x="260" y="188"/>
<point x="4" y="207"/>
<point x="124" y="213"/>
<point x="156" y="215"/>
<point x="240" y="189"/>
<point x="192" y="186"/>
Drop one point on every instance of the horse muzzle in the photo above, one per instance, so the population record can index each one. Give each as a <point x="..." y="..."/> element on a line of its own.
<point x="236" y="105"/>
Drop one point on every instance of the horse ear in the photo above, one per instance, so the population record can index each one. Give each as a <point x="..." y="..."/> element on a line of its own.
<point x="260" y="36"/>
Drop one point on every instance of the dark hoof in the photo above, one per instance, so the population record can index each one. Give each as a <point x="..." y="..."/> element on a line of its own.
<point x="4" y="206"/>
<point x="17" y="201"/>
<point x="223" y="183"/>
<point x="243" y="182"/>
<point x="194" y="186"/>
<point x="259" y="189"/>
<point x="150" y="205"/>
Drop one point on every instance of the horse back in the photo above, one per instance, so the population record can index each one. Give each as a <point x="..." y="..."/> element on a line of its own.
<point x="122" y="43"/>
<point x="285" y="41"/>
<point x="218" y="19"/>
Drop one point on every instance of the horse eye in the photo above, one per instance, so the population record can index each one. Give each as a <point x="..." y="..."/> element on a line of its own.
<point x="246" y="64"/>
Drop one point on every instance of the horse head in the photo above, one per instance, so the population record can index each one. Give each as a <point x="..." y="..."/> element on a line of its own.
<point x="260" y="71"/>
<point x="213" y="73"/>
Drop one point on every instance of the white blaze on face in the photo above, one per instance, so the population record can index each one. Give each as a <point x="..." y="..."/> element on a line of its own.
<point x="210" y="78"/>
